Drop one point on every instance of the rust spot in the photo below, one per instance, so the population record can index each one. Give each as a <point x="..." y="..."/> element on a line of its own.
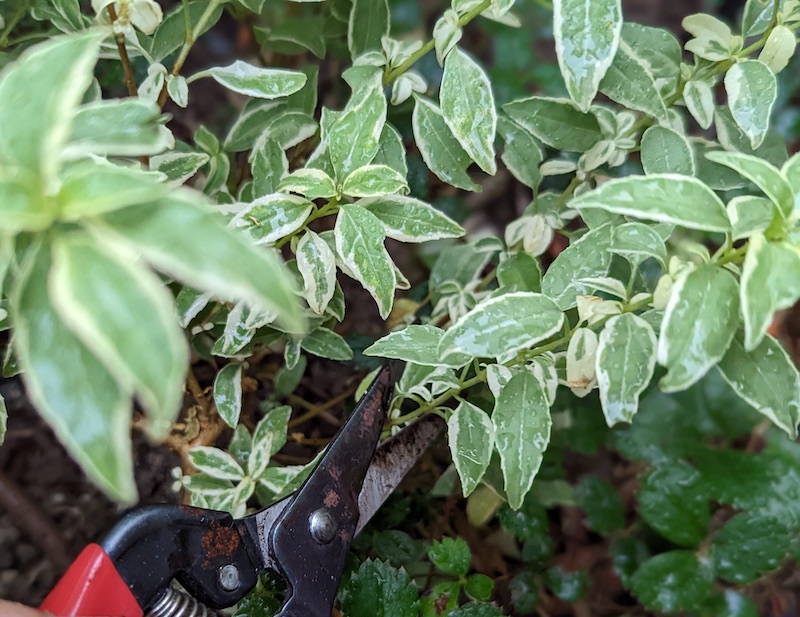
<point x="332" y="499"/>
<point x="335" y="472"/>
<point x="219" y="542"/>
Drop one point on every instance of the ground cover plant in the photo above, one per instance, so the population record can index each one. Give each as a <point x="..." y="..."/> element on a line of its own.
<point x="599" y="333"/>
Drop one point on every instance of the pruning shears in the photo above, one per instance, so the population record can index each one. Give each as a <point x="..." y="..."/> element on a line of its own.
<point x="302" y="539"/>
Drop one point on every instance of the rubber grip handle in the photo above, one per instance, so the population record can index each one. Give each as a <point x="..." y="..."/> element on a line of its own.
<point x="92" y="587"/>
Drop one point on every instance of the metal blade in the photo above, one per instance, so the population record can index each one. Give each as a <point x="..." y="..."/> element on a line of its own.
<point x="393" y="459"/>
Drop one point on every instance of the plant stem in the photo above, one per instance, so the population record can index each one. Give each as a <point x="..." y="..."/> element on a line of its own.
<point x="467" y="17"/>
<point x="119" y="38"/>
<point x="15" y="19"/>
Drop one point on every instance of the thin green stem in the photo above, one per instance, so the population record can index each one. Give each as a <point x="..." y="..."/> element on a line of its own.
<point x="329" y="208"/>
<point x="467" y="17"/>
<point x="12" y="23"/>
<point x="733" y="255"/>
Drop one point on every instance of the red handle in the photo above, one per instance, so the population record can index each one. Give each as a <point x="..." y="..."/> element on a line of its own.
<point x="92" y="587"/>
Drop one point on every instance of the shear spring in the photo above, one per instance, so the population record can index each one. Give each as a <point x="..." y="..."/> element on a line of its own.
<point x="174" y="603"/>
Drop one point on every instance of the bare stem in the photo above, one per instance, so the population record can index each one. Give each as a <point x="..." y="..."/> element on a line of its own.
<point x="119" y="38"/>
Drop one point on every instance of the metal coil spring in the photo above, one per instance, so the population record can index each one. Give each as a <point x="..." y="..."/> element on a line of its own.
<point x="175" y="603"/>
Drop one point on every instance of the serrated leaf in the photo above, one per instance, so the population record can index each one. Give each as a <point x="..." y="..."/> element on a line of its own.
<point x="410" y="220"/>
<point x="673" y="582"/>
<point x="470" y="434"/>
<point x="254" y="81"/>
<point x="468" y="108"/>
<point x="53" y="361"/>
<point x="767" y="379"/>
<point x="587" y="257"/>
<point x="748" y="546"/>
<point x="368" y="24"/>
<point x="317" y="265"/>
<point x="451" y="556"/>
<point x="359" y="243"/>
<point x="99" y="292"/>
<point x="503" y="325"/>
<point x="373" y="181"/>
<point x="587" y="33"/>
<point x="760" y="172"/>
<point x="416" y="344"/>
<point x="522" y="425"/>
<point x="749" y="214"/>
<point x="699" y="99"/>
<point x="228" y="393"/>
<point x="272" y="217"/>
<point x="664" y="150"/>
<point x="770" y="282"/>
<point x="700" y="321"/>
<point x="378" y="590"/>
<point x="637" y="242"/>
<point x="752" y="91"/>
<point x="325" y="343"/>
<point x="626" y="358"/>
<point x="556" y="123"/>
<point x="668" y="198"/>
<point x="440" y="150"/>
<point x="216" y="463"/>
<point x="601" y="503"/>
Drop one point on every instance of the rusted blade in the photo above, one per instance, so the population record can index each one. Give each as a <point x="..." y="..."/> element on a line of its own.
<point x="393" y="459"/>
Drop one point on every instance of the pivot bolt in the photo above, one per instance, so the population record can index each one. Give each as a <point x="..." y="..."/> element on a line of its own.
<point x="322" y="526"/>
<point x="228" y="577"/>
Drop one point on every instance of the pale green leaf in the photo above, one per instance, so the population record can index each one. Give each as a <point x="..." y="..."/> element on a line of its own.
<point x="317" y="265"/>
<point x="752" y="91"/>
<point x="667" y="198"/>
<point x="503" y="325"/>
<point x="171" y="34"/>
<point x="391" y="151"/>
<point x="522" y="425"/>
<point x="190" y="242"/>
<point x="556" y="122"/>
<point x="359" y="243"/>
<point x="22" y="205"/>
<point x="254" y="81"/>
<point x="778" y="49"/>
<point x="659" y="51"/>
<point x="93" y="420"/>
<point x="522" y="154"/>
<point x="326" y="343"/>
<point x="178" y="167"/>
<point x="368" y="24"/>
<point x="470" y="434"/>
<point x="699" y="99"/>
<point x="585" y="258"/>
<point x="626" y="358"/>
<point x="760" y="172"/>
<point x="440" y="150"/>
<point x="273" y="427"/>
<point x="410" y="220"/>
<point x="791" y="173"/>
<point x="99" y="292"/>
<point x="636" y="242"/>
<point x="216" y="463"/>
<point x="416" y="344"/>
<point x="587" y="33"/>
<point x="767" y="378"/>
<point x="3" y="420"/>
<point x="272" y="217"/>
<point x="374" y="180"/>
<point x="757" y="16"/>
<point x="269" y="165"/>
<point x="311" y="183"/>
<point x="664" y="150"/>
<point x="468" y="108"/>
<point x="228" y="393"/>
<point x="770" y="282"/>
<point x="749" y="214"/>
<point x="700" y="320"/>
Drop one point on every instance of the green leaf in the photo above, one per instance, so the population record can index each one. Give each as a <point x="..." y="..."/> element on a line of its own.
<point x="699" y="99"/>
<point x="664" y="150"/>
<point x="668" y="198"/>
<point x="64" y="15"/>
<point x="476" y="609"/>
<point x="123" y="127"/>
<point x="451" y="556"/>
<point x="391" y="151"/>
<point x="672" y="500"/>
<point x="254" y="81"/>
<point x="733" y="139"/>
<point x="272" y="217"/>
<point x="22" y="206"/>
<point x="373" y="181"/>
<point x="3" y="420"/>
<point x="749" y="214"/>
<point x="752" y="91"/>
<point x="637" y="242"/>
<point x="292" y="35"/>
<point x="273" y="426"/>
<point x="269" y="165"/>
<point x="99" y="292"/>
<point x="522" y="425"/>
<point x="228" y="393"/>
<point x="317" y="265"/>
<point x="53" y="360"/>
<point x="417" y="344"/>
<point x="311" y="183"/>
<point x="762" y="173"/>
<point x="410" y="220"/>
<point x="354" y="137"/>
<point x="479" y="587"/>
<point x="556" y="123"/>
<point x="216" y="463"/>
<point x="700" y="321"/>
<point x="767" y="379"/>
<point x="325" y="343"/>
<point x="359" y="243"/>
<point x="468" y="108"/>
<point x="567" y="586"/>
<point x="440" y="150"/>
<point x="471" y="437"/>
<point x="192" y="244"/>
<point x="748" y="546"/>
<point x="179" y="166"/>
<point x="601" y="503"/>
<point x="626" y="358"/>
<point x="627" y="554"/>
<point x="503" y="325"/>
<point x="520" y="272"/>
<point x="171" y="34"/>
<point x="588" y="257"/>
<point x="368" y="24"/>
<point x="378" y="590"/>
<point x="41" y="90"/>
<point x="770" y="282"/>
<point x="672" y="582"/>
<point x="587" y="34"/>
<point x="522" y="154"/>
